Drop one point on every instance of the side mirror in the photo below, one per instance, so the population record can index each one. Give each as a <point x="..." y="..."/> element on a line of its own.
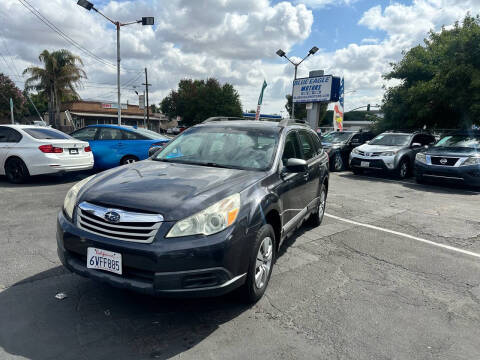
<point x="296" y="165"/>
<point x="416" y="145"/>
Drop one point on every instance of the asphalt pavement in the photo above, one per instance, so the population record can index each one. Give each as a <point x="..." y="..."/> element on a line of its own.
<point x="392" y="273"/>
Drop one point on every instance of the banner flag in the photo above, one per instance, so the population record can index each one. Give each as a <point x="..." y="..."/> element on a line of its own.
<point x="338" y="110"/>
<point x="260" y="100"/>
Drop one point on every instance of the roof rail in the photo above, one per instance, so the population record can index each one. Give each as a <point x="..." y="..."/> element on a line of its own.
<point x="286" y="122"/>
<point x="222" y="118"/>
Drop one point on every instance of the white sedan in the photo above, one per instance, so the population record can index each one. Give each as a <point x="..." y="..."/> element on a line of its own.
<point x="33" y="150"/>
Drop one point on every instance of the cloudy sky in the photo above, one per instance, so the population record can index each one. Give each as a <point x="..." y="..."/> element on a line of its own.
<point x="232" y="40"/>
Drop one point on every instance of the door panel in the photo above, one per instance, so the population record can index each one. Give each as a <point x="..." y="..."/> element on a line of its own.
<point x="312" y="181"/>
<point x="109" y="144"/>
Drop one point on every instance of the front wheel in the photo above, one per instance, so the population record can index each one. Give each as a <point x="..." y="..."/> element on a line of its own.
<point x="403" y="169"/>
<point x="316" y="218"/>
<point x="16" y="171"/>
<point x="261" y="263"/>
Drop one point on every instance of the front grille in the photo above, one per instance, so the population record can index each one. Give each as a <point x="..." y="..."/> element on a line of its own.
<point x="131" y="226"/>
<point x="444" y="161"/>
<point x="372" y="154"/>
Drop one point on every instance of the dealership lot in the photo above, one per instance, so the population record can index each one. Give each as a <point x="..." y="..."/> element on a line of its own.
<point x="383" y="277"/>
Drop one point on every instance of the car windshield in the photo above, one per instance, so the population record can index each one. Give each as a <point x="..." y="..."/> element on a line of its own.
<point x="466" y="141"/>
<point x="391" y="140"/>
<point x="150" y="134"/>
<point x="39" y="133"/>
<point x="252" y="149"/>
<point x="336" y="137"/>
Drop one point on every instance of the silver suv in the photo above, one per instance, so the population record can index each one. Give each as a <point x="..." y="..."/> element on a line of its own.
<point x="392" y="152"/>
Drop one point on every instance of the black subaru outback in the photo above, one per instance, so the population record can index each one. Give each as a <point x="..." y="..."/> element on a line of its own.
<point x="204" y="216"/>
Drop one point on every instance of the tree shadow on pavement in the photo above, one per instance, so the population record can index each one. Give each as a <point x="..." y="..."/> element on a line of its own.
<point x="48" y="180"/>
<point x="96" y="321"/>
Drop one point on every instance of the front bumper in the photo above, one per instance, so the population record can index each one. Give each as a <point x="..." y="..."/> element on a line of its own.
<point x="469" y="175"/>
<point x="384" y="163"/>
<point x="189" y="266"/>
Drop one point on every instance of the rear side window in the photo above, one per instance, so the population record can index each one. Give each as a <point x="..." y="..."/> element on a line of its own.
<point x="316" y="142"/>
<point x="110" y="134"/>
<point x="39" y="133"/>
<point x="307" y="145"/>
<point x="8" y="135"/>
<point x="130" y="135"/>
<point x="85" y="134"/>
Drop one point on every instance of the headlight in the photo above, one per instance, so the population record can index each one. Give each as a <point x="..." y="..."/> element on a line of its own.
<point x="212" y="220"/>
<point x="71" y="198"/>
<point x="421" y="157"/>
<point x="388" y="153"/>
<point x="355" y="151"/>
<point x="472" y="160"/>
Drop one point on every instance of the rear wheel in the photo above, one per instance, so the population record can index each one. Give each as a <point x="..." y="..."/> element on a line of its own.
<point x="403" y="169"/>
<point x="16" y="171"/>
<point x="261" y="263"/>
<point x="129" y="159"/>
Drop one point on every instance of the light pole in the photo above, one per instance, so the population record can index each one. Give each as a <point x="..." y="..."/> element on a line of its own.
<point x="282" y="53"/>
<point x="144" y="21"/>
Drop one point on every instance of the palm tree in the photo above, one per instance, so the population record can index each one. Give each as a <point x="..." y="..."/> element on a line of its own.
<point x="58" y="79"/>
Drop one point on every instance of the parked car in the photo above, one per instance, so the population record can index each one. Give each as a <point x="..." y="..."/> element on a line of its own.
<point x="392" y="152"/>
<point x="114" y="145"/>
<point x="27" y="150"/>
<point x="205" y="216"/>
<point x="455" y="157"/>
<point x="339" y="144"/>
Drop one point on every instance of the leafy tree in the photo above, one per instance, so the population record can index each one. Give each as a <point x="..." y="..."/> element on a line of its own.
<point x="9" y="90"/>
<point x="40" y="101"/>
<point x="57" y="79"/>
<point x="197" y="100"/>
<point x="300" y="109"/>
<point x="440" y="81"/>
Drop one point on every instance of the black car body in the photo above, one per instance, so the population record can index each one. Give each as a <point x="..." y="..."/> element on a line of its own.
<point x="156" y="195"/>
<point x="392" y="152"/>
<point x="455" y="157"/>
<point x="339" y="145"/>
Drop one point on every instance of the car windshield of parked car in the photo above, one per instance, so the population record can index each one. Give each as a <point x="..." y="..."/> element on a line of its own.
<point x="38" y="133"/>
<point x="251" y="149"/>
<point x="465" y="141"/>
<point x="150" y="134"/>
<point x="391" y="140"/>
<point x="336" y="137"/>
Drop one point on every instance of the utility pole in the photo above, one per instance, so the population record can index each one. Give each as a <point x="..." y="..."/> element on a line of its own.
<point x="146" y="90"/>
<point x="119" y="111"/>
<point x="11" y="111"/>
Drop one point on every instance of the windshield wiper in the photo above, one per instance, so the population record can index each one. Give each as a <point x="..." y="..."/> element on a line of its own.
<point x="212" y="164"/>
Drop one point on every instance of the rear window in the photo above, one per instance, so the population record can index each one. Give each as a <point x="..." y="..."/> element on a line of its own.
<point x="46" y="133"/>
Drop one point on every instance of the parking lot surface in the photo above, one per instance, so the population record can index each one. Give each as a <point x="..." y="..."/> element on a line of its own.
<point x="392" y="273"/>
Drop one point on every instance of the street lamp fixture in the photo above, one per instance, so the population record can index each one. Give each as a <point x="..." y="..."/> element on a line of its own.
<point x="282" y="54"/>
<point x="148" y="20"/>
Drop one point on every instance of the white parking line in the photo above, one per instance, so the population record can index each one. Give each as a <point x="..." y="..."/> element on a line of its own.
<point x="448" y="247"/>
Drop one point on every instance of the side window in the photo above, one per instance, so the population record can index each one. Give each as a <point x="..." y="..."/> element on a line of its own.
<point x="291" y="148"/>
<point x="85" y="134"/>
<point x="8" y="135"/>
<point x="306" y="144"/>
<point x="431" y="140"/>
<point x="357" y="139"/>
<point x="316" y="143"/>
<point x="367" y="137"/>
<point x="416" y="139"/>
<point x="110" y="134"/>
<point x="130" y="135"/>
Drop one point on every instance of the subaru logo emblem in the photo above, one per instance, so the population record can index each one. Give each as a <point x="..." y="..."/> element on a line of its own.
<point x="443" y="161"/>
<point x="367" y="154"/>
<point x="112" y="217"/>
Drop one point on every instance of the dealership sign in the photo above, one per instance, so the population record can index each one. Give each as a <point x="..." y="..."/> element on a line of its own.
<point x="316" y="89"/>
<point x="114" y="106"/>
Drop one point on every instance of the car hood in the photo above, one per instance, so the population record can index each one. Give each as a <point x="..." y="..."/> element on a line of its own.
<point x="171" y="189"/>
<point x="378" y="148"/>
<point x="452" y="151"/>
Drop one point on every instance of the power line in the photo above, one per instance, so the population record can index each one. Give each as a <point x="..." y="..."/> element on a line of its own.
<point x="67" y="38"/>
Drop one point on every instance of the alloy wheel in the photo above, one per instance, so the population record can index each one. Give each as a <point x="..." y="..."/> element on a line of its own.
<point x="130" y="161"/>
<point x="321" y="206"/>
<point x="403" y="169"/>
<point x="264" y="262"/>
<point x="338" y="162"/>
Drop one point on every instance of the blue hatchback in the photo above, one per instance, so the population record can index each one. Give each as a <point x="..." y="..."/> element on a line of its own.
<point x="114" y="145"/>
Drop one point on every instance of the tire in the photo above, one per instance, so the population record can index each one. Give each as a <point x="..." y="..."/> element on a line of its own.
<point x="337" y="164"/>
<point x="357" y="171"/>
<point x="16" y="171"/>
<point x="403" y="170"/>
<point x="129" y="159"/>
<point x="259" y="271"/>
<point x="315" y="218"/>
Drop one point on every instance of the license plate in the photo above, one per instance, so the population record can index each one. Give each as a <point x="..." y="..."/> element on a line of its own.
<point x="73" y="151"/>
<point x="364" y="164"/>
<point x="104" y="260"/>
